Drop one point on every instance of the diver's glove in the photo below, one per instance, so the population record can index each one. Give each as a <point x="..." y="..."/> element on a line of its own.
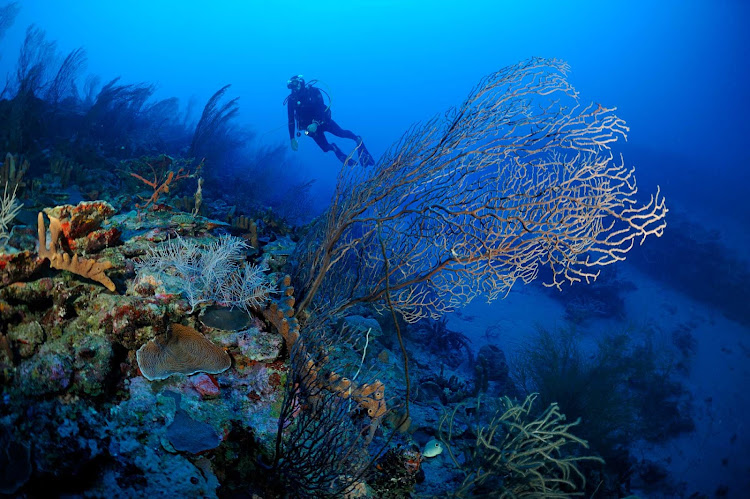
<point x="295" y="145"/>
<point x="312" y="127"/>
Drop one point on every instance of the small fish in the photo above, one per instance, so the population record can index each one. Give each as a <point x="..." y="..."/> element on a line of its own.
<point x="433" y="448"/>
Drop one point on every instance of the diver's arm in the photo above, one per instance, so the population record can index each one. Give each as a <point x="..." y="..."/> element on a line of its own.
<point x="290" y="114"/>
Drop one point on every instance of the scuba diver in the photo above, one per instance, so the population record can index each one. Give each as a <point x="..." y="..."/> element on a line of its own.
<point x="308" y="111"/>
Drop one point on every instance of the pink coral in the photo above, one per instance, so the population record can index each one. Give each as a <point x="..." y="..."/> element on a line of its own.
<point x="205" y="385"/>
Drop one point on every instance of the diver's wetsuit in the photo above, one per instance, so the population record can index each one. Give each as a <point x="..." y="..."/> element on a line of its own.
<point x="306" y="106"/>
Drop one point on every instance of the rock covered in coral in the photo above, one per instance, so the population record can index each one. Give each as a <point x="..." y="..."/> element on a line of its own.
<point x="50" y="302"/>
<point x="77" y="362"/>
<point x="99" y="239"/>
<point x="259" y="345"/>
<point x="245" y="335"/>
<point x="79" y="220"/>
<point x="15" y="267"/>
<point x="362" y="326"/>
<point x="6" y="360"/>
<point x="68" y="364"/>
<point x="205" y="385"/>
<point x="78" y="450"/>
<point x="256" y="380"/>
<point x="92" y="364"/>
<point x="67" y="440"/>
<point x="156" y="226"/>
<point x="91" y="269"/>
<point x="398" y="471"/>
<point x="47" y="373"/>
<point x="129" y="320"/>
<point x="7" y="312"/>
<point x="276" y="253"/>
<point x="491" y="358"/>
<point x="26" y="338"/>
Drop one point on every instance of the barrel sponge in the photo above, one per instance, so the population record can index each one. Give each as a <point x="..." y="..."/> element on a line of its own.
<point x="185" y="351"/>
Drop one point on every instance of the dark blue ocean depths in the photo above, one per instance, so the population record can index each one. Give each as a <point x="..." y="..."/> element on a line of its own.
<point x="375" y="249"/>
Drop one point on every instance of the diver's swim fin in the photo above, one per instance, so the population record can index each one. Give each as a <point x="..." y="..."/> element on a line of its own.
<point x="365" y="158"/>
<point x="346" y="160"/>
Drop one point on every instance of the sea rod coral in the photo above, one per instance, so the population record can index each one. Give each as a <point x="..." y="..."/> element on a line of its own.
<point x="518" y="454"/>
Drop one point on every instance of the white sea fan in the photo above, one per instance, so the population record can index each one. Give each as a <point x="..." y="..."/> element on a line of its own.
<point x="246" y="289"/>
<point x="216" y="273"/>
<point x="9" y="208"/>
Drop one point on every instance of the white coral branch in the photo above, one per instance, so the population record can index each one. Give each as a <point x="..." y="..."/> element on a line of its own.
<point x="9" y="208"/>
<point x="216" y="273"/>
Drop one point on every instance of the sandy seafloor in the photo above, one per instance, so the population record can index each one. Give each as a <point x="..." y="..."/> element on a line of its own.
<point x="719" y="377"/>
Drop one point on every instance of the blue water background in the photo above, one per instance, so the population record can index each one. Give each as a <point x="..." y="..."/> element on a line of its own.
<point x="676" y="70"/>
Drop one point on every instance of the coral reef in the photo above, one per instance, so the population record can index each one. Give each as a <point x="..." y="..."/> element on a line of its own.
<point x="15" y="462"/>
<point x="163" y="180"/>
<point x="438" y="338"/>
<point x="12" y="172"/>
<point x="90" y="269"/>
<point x="611" y="389"/>
<point x="9" y="208"/>
<point x="188" y="435"/>
<point x="185" y="351"/>
<point x="68" y="357"/>
<point x="397" y="473"/>
<point x="216" y="273"/>
<point x="205" y="375"/>
<point x="518" y="454"/>
<point x="16" y="267"/>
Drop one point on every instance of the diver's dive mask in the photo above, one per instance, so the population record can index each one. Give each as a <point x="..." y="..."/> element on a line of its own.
<point x="295" y="83"/>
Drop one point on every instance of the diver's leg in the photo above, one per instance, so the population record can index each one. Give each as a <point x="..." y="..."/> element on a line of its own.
<point x="346" y="160"/>
<point x="364" y="155"/>
<point x="332" y="127"/>
<point x="326" y="146"/>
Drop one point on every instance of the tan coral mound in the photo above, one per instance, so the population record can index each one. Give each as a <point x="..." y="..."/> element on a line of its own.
<point x="186" y="351"/>
<point x="91" y="269"/>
